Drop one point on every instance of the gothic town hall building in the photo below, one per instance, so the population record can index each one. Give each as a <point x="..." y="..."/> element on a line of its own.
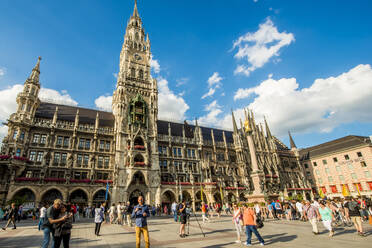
<point x="72" y="153"/>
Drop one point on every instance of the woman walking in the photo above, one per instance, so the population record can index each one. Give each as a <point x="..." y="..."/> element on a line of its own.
<point x="326" y="216"/>
<point x="237" y="215"/>
<point x="99" y="217"/>
<point x="112" y="213"/>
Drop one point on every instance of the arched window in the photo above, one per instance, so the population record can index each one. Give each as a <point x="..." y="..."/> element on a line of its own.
<point x="141" y="74"/>
<point x="133" y="72"/>
<point x="135" y="45"/>
<point x="136" y="36"/>
<point x="139" y="47"/>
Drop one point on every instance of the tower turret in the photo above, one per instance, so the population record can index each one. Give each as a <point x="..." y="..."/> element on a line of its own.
<point x="28" y="100"/>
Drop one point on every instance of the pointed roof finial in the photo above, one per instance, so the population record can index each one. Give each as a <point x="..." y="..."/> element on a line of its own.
<point x="293" y="145"/>
<point x="36" y="71"/>
<point x="135" y="11"/>
<point x="268" y="132"/>
<point x="234" y="122"/>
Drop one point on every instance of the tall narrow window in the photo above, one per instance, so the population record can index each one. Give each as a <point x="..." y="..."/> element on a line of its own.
<point x="141" y="74"/>
<point x="40" y="156"/>
<point x="132" y="72"/>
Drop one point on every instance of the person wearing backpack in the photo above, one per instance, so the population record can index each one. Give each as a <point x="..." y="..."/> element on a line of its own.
<point x="354" y="213"/>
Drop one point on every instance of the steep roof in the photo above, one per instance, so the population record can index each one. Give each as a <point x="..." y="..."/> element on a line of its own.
<point x="88" y="116"/>
<point x="68" y="113"/>
<point x="334" y="146"/>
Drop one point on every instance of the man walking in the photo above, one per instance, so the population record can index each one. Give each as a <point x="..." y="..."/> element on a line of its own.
<point x="250" y="223"/>
<point x="354" y="213"/>
<point x="140" y="213"/>
<point x="311" y="213"/>
<point x="12" y="216"/>
<point x="128" y="210"/>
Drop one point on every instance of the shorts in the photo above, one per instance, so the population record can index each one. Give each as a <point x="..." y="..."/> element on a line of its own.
<point x="356" y="220"/>
<point x="183" y="219"/>
<point x="279" y="211"/>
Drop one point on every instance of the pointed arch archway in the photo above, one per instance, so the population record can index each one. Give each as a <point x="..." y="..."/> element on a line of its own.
<point x="50" y="195"/>
<point x="79" y="197"/>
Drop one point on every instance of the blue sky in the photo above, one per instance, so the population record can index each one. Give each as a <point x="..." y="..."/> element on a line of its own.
<point x="317" y="83"/>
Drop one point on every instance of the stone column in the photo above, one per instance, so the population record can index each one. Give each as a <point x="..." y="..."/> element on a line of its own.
<point x="256" y="175"/>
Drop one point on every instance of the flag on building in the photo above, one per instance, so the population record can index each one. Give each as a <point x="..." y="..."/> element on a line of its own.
<point x="321" y="194"/>
<point x="107" y="190"/>
<point x="221" y="192"/>
<point x="345" y="191"/>
<point x="357" y="188"/>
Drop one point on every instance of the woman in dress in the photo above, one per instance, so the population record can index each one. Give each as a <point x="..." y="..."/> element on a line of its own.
<point x="326" y="216"/>
<point x="237" y="216"/>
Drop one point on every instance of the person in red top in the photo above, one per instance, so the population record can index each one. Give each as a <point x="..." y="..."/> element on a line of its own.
<point x="249" y="220"/>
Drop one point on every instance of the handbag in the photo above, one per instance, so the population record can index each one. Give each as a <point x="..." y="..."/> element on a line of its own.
<point x="259" y="223"/>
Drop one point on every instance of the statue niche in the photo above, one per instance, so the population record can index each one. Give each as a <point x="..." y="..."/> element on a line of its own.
<point x="138" y="111"/>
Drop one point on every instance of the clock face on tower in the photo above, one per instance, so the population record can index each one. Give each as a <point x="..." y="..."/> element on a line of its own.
<point x="137" y="57"/>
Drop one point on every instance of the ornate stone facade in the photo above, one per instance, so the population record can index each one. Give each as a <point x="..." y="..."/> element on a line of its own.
<point x="70" y="152"/>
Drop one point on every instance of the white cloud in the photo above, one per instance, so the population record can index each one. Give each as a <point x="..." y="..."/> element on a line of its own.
<point x="8" y="104"/>
<point x="211" y="118"/>
<point x="155" y="66"/>
<point x="215" y="79"/>
<point x="210" y="92"/>
<point x="214" y="82"/>
<point x="326" y="104"/>
<point x="259" y="47"/>
<point x="182" y="81"/>
<point x="104" y="103"/>
<point x="2" y="71"/>
<point x="50" y="95"/>
<point x="171" y="106"/>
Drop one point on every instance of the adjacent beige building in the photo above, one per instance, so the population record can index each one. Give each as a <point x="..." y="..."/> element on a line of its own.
<point x="341" y="164"/>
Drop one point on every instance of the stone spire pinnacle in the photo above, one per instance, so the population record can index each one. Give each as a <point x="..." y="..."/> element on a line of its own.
<point x="36" y="72"/>
<point x="135" y="11"/>
<point x="268" y="132"/>
<point x="234" y="122"/>
<point x="293" y="145"/>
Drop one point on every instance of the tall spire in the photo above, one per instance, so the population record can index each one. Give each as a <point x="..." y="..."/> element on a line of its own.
<point x="135" y="11"/>
<point x="268" y="133"/>
<point x="36" y="72"/>
<point x="234" y="122"/>
<point x="293" y="145"/>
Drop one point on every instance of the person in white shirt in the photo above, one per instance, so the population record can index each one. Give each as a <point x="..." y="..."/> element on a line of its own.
<point x="112" y="213"/>
<point x="299" y="207"/>
<point x="174" y="210"/>
<point x="43" y="211"/>
<point x="119" y="219"/>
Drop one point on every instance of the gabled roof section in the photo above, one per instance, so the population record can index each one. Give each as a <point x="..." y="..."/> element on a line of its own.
<point x="176" y="130"/>
<point x="68" y="113"/>
<point x="334" y="146"/>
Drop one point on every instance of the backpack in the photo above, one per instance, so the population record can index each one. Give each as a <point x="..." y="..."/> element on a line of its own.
<point x="352" y="206"/>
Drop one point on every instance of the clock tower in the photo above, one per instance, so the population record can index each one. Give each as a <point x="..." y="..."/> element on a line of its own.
<point x="135" y="108"/>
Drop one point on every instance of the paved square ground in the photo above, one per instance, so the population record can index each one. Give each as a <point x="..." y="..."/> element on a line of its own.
<point x="164" y="233"/>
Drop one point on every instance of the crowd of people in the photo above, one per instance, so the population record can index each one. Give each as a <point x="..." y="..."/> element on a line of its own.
<point x="56" y="220"/>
